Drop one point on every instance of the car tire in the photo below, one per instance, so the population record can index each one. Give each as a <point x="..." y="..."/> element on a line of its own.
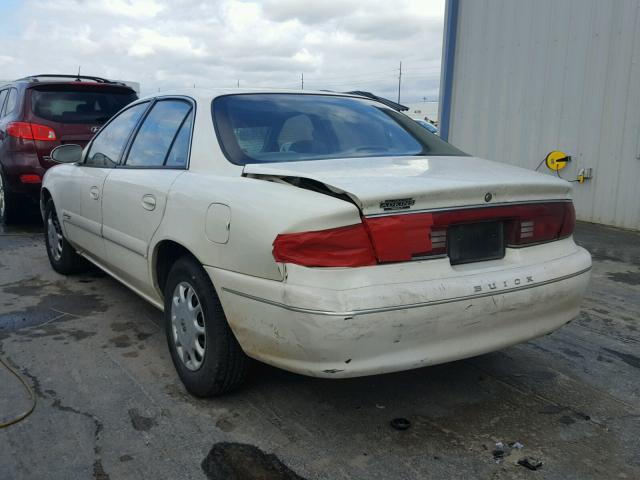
<point x="8" y="203"/>
<point x="204" y="350"/>
<point x="62" y="256"/>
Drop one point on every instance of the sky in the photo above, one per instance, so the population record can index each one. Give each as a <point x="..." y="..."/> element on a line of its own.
<point x="338" y="45"/>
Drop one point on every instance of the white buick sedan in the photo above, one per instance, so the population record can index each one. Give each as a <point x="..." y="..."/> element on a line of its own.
<point x="325" y="234"/>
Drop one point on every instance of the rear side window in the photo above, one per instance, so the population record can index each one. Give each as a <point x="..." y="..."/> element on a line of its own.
<point x="87" y="105"/>
<point x="108" y="145"/>
<point x="3" y="96"/>
<point x="12" y="100"/>
<point x="159" y="133"/>
<point x="179" y="154"/>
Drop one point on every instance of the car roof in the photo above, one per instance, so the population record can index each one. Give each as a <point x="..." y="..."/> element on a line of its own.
<point x="62" y="79"/>
<point x="208" y="94"/>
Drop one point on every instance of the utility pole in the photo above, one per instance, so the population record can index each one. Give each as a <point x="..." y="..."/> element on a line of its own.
<point x="238" y="83"/>
<point x="302" y="81"/>
<point x="399" y="81"/>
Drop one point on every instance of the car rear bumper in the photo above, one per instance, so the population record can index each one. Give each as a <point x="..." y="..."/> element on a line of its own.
<point x="370" y="320"/>
<point x="16" y="164"/>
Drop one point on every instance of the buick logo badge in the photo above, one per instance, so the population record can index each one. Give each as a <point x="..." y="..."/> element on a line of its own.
<point x="94" y="129"/>
<point x="488" y="197"/>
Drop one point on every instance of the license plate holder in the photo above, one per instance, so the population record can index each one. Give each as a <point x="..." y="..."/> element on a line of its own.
<point x="475" y="242"/>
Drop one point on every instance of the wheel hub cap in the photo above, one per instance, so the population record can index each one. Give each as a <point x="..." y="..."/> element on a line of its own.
<point x="187" y="326"/>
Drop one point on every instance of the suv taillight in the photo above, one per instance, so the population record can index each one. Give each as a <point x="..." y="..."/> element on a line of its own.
<point x="399" y="238"/>
<point x="31" y="131"/>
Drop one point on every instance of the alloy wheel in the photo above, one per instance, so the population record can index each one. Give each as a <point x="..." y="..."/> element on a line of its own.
<point x="187" y="326"/>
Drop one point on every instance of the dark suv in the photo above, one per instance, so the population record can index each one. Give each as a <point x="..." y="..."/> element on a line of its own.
<point x="39" y="113"/>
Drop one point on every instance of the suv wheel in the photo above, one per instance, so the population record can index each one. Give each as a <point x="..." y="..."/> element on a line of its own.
<point x="204" y="350"/>
<point x="8" y="203"/>
<point x="62" y="256"/>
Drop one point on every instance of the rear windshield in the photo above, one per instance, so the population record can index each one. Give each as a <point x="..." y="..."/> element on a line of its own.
<point x="259" y="128"/>
<point x="64" y="105"/>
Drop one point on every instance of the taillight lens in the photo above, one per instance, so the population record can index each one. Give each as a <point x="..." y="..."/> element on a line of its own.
<point x="31" y="131"/>
<point x="539" y="223"/>
<point x="398" y="238"/>
<point x="336" y="247"/>
<point x="20" y="130"/>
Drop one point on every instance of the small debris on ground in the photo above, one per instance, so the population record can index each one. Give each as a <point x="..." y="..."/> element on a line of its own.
<point x="498" y="452"/>
<point x="530" y="462"/>
<point x="503" y="450"/>
<point x="400" y="423"/>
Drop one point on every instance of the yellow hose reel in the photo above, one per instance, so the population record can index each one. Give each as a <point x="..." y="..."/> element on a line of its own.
<point x="557" y="160"/>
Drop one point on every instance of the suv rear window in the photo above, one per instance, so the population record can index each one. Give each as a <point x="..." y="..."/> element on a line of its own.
<point x="69" y="104"/>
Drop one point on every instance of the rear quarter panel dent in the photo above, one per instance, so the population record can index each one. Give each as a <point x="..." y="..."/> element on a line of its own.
<point x="261" y="210"/>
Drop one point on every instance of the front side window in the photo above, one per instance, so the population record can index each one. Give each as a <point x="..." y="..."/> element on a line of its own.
<point x="257" y="128"/>
<point x="108" y="145"/>
<point x="159" y="133"/>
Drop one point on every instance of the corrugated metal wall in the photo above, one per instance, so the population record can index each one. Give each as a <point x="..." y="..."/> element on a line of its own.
<point x="532" y="76"/>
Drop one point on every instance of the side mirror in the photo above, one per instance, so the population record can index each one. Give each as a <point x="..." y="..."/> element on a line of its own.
<point x="68" y="153"/>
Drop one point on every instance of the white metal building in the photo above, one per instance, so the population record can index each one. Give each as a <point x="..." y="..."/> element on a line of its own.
<point x="523" y="77"/>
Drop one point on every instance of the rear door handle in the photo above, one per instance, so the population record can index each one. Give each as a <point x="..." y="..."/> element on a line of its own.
<point x="149" y="202"/>
<point x="94" y="192"/>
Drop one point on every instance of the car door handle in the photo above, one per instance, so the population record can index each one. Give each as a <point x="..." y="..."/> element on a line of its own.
<point x="94" y="192"/>
<point x="149" y="202"/>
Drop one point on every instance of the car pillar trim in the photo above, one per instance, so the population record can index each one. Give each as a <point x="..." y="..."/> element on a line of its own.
<point x="370" y="311"/>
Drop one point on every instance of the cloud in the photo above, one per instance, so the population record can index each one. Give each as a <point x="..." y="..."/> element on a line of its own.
<point x="337" y="44"/>
<point x="311" y="13"/>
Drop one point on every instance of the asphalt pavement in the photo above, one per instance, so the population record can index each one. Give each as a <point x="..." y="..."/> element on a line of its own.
<point x="110" y="406"/>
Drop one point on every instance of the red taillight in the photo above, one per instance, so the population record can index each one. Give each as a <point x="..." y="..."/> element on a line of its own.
<point x="539" y="223"/>
<point x="20" y="130"/>
<point x="336" y="247"/>
<point x="398" y="238"/>
<point x="31" y="131"/>
<point x="569" y="221"/>
<point x="42" y="132"/>
<point x="30" y="178"/>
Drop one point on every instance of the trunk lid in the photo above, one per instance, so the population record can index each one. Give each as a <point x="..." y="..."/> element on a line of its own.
<point x="383" y="185"/>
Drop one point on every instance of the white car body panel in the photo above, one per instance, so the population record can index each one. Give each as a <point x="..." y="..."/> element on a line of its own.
<point x="428" y="180"/>
<point x="332" y="322"/>
<point x="134" y="206"/>
<point x="353" y="321"/>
